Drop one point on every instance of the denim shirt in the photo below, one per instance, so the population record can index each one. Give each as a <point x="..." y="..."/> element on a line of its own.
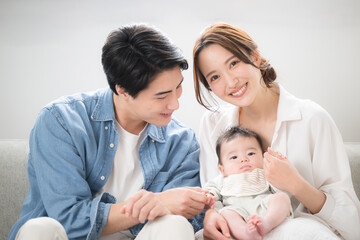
<point x="72" y="149"/>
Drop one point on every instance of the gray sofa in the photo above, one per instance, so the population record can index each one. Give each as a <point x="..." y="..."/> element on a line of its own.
<point x="14" y="182"/>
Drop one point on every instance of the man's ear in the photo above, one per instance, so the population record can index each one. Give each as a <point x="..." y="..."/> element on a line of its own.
<point x="121" y="92"/>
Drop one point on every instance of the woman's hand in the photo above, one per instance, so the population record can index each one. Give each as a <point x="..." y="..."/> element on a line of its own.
<point x="144" y="205"/>
<point x="186" y="201"/>
<point x="215" y="226"/>
<point x="280" y="172"/>
<point x="284" y="176"/>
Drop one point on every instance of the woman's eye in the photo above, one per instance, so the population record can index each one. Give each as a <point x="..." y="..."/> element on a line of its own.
<point x="233" y="63"/>
<point x="213" y="78"/>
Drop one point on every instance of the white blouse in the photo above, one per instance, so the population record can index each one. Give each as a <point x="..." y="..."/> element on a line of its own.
<point x="305" y="133"/>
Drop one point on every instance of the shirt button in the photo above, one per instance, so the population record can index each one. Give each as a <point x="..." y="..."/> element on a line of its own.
<point x="111" y="145"/>
<point x="102" y="178"/>
<point x="106" y="127"/>
<point x="152" y="140"/>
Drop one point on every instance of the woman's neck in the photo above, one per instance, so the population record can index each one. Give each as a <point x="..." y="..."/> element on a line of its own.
<point x="264" y="107"/>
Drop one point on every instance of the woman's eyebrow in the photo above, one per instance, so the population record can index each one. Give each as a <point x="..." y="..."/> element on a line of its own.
<point x="226" y="61"/>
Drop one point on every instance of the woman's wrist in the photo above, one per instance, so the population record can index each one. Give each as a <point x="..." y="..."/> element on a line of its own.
<point x="298" y="187"/>
<point x="312" y="198"/>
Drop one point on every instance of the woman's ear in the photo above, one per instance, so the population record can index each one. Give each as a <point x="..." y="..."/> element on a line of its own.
<point x="257" y="58"/>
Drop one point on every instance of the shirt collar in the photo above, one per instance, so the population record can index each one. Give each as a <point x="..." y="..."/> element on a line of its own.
<point x="156" y="133"/>
<point x="288" y="108"/>
<point x="104" y="109"/>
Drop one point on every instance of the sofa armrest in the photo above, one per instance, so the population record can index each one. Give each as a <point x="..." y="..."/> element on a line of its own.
<point x="353" y="152"/>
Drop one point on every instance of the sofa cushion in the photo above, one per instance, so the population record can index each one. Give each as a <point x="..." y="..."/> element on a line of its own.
<point x="13" y="182"/>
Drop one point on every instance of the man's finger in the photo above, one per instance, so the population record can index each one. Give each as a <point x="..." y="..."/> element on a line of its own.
<point x="145" y="211"/>
<point x="199" y="197"/>
<point x="197" y="189"/>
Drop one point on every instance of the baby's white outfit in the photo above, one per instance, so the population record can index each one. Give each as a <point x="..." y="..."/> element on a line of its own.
<point x="246" y="193"/>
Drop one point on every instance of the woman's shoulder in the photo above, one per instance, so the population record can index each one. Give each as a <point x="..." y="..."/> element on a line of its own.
<point x="312" y="111"/>
<point x="308" y="109"/>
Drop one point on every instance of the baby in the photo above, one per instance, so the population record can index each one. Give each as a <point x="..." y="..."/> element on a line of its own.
<point x="243" y="196"/>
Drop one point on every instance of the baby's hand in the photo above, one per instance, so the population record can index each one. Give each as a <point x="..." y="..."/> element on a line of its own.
<point x="210" y="201"/>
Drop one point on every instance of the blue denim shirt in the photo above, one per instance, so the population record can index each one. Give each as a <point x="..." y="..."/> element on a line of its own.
<point x="72" y="148"/>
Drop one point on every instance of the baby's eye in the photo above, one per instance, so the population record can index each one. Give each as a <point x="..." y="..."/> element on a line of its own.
<point x="233" y="157"/>
<point x="213" y="78"/>
<point x="251" y="153"/>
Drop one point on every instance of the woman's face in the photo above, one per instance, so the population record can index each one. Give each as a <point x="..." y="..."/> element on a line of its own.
<point x="229" y="78"/>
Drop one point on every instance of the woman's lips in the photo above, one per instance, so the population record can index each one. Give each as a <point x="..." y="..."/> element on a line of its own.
<point x="240" y="91"/>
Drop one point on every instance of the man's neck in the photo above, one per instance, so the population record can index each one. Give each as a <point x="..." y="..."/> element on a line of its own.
<point x="124" y="117"/>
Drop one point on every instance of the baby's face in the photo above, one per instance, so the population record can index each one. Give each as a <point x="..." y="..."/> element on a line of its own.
<point x="241" y="154"/>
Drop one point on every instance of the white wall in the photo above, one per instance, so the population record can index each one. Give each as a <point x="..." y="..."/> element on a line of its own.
<point x="53" y="48"/>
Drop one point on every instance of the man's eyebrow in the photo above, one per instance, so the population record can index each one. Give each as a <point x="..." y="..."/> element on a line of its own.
<point x="165" y="92"/>
<point x="227" y="60"/>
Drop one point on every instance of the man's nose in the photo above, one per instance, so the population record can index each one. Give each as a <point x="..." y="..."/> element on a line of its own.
<point x="174" y="103"/>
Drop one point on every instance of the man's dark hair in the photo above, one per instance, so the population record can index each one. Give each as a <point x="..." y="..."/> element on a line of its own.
<point x="235" y="132"/>
<point x="133" y="55"/>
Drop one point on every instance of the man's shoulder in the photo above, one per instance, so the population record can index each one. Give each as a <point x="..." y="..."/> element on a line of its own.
<point x="76" y="98"/>
<point x="74" y="107"/>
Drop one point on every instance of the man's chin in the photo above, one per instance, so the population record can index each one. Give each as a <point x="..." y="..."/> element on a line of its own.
<point x="161" y="123"/>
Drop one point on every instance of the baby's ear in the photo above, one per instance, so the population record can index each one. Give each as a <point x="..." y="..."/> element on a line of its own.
<point x="221" y="168"/>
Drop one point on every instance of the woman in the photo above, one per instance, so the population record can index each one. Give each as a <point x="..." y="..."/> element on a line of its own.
<point x="316" y="171"/>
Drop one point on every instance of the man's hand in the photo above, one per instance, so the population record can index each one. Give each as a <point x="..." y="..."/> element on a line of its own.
<point x="186" y="201"/>
<point x="210" y="201"/>
<point x="144" y="205"/>
<point x="215" y="226"/>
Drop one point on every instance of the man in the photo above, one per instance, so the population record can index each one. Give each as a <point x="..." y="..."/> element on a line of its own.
<point x="113" y="164"/>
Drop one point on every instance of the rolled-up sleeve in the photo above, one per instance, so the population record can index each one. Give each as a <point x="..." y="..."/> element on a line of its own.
<point x="330" y="163"/>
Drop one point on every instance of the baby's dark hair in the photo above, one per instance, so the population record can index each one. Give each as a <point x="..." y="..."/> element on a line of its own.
<point x="235" y="132"/>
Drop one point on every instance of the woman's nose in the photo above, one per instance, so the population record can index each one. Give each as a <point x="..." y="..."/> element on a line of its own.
<point x="231" y="80"/>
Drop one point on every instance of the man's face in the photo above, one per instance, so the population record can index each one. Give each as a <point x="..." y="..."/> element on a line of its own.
<point x="159" y="100"/>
